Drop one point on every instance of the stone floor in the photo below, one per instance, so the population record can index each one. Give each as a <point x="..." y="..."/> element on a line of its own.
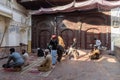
<point x="106" y="68"/>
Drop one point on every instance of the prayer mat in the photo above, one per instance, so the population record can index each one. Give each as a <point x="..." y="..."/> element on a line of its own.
<point x="46" y="74"/>
<point x="10" y="70"/>
<point x="32" y="69"/>
<point x="34" y="63"/>
<point x="32" y="58"/>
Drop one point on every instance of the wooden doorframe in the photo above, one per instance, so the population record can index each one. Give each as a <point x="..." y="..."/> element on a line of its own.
<point x="92" y="35"/>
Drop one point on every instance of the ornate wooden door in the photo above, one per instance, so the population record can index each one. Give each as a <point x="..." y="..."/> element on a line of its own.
<point x="44" y="38"/>
<point x="90" y="35"/>
<point x="41" y="31"/>
<point x="67" y="36"/>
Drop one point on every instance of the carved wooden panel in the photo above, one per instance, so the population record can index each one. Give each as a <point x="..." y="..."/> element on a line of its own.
<point x="44" y="38"/>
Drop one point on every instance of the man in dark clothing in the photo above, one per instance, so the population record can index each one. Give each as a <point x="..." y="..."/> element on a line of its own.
<point x="60" y="51"/>
<point x="53" y="43"/>
<point x="40" y="52"/>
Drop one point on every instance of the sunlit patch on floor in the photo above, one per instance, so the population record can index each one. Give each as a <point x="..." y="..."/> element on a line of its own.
<point x="111" y="60"/>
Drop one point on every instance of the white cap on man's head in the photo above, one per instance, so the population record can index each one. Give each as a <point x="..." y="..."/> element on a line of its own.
<point x="46" y="50"/>
<point x="38" y="48"/>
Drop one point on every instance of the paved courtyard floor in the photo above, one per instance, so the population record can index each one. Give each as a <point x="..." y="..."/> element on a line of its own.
<point x="106" y="68"/>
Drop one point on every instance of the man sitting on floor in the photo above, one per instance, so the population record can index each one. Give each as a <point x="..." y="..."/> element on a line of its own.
<point x="95" y="53"/>
<point x="17" y="59"/>
<point x="46" y="65"/>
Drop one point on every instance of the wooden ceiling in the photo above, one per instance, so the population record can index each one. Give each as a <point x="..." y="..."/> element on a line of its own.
<point x="37" y="4"/>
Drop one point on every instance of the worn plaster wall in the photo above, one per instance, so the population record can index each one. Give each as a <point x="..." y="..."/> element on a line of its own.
<point x="115" y="27"/>
<point x="18" y="24"/>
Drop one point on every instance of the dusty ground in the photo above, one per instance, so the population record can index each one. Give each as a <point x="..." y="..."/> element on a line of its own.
<point x="106" y="68"/>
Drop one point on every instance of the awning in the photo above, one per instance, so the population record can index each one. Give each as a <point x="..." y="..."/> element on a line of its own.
<point x="84" y="5"/>
<point x="4" y="11"/>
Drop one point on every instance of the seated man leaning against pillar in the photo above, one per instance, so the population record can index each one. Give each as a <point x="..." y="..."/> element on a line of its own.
<point x="46" y="65"/>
